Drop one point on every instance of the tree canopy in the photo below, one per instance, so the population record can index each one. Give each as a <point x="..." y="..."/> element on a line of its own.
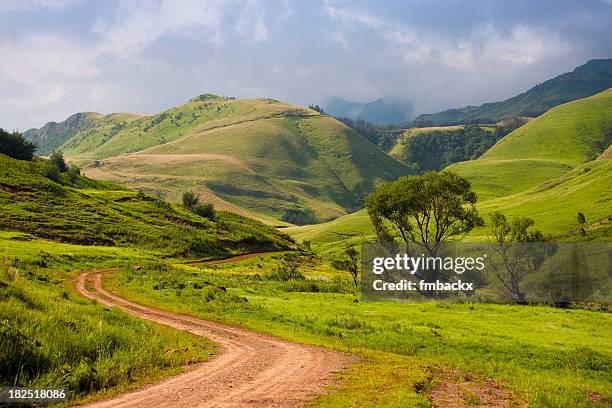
<point x="427" y="210"/>
<point x="14" y="145"/>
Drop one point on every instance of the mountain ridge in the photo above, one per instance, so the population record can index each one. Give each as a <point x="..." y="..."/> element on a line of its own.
<point x="588" y="79"/>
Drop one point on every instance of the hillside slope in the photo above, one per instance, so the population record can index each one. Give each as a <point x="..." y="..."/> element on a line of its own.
<point x="256" y="156"/>
<point x="586" y="80"/>
<point x="543" y="149"/>
<point x="550" y="169"/>
<point x="53" y="135"/>
<point x="87" y="212"/>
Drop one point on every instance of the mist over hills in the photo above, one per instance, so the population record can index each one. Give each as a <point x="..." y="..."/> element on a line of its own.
<point x="382" y="111"/>
<point x="586" y="80"/>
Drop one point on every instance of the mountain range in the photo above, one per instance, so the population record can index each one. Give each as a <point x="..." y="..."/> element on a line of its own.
<point x="586" y="80"/>
<point x="382" y="111"/>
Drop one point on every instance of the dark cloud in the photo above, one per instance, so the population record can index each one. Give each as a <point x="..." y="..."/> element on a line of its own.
<point x="63" y="56"/>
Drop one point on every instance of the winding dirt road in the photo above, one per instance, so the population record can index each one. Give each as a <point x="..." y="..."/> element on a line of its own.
<point x="249" y="370"/>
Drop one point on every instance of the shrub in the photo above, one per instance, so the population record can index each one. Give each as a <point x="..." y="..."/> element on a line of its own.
<point x="190" y="200"/>
<point x="57" y="158"/>
<point x="15" y="146"/>
<point x="73" y="173"/>
<point x="206" y="210"/>
<point x="287" y="270"/>
<point x="51" y="172"/>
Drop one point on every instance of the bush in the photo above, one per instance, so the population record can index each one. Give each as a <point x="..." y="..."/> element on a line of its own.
<point x="51" y="172"/>
<point x="205" y="210"/>
<point x="287" y="270"/>
<point x="73" y="173"/>
<point x="192" y="203"/>
<point x="57" y="158"/>
<point x="190" y="200"/>
<point x="15" y="146"/>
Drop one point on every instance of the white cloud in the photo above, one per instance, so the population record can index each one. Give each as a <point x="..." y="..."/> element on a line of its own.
<point x="251" y="22"/>
<point x="20" y="5"/>
<point x="139" y="23"/>
<point x="523" y="45"/>
<point x="349" y="16"/>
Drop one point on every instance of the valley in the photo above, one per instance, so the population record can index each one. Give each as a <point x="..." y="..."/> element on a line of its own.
<point x="201" y="256"/>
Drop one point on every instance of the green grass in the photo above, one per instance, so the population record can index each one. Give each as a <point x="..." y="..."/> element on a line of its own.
<point x="51" y="337"/>
<point x="549" y="357"/>
<point x="94" y="213"/>
<point x="542" y="170"/>
<point x="260" y="157"/>
<point x="572" y="133"/>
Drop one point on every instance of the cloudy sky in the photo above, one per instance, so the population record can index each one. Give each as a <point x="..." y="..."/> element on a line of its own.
<point x="58" y="57"/>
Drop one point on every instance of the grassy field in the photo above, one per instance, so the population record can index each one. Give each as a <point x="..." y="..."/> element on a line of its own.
<point x="548" y="357"/>
<point x="52" y="229"/>
<point x="283" y="163"/>
<point x="87" y="212"/>
<point x="52" y="337"/>
<point x="548" y="170"/>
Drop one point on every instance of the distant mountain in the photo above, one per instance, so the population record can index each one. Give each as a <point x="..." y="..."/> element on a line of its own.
<point x="280" y="163"/>
<point x="53" y="134"/>
<point x="586" y="80"/>
<point x="380" y="111"/>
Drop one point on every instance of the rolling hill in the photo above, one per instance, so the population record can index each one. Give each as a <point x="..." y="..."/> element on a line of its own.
<point x="586" y="80"/>
<point x="82" y="211"/>
<point x="549" y="169"/>
<point x="258" y="157"/>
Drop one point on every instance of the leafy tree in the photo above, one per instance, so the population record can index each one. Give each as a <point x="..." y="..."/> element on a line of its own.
<point x="350" y="263"/>
<point x="15" y="146"/>
<point x="317" y="108"/>
<point x="513" y="242"/>
<point x="57" y="158"/>
<point x="426" y="210"/>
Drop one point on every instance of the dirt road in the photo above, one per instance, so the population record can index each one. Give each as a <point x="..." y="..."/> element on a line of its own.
<point x="250" y="369"/>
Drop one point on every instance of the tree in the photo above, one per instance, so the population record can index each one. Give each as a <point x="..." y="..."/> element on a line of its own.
<point x="73" y="173"/>
<point x="427" y="210"/>
<point x="15" y="146"/>
<point x="51" y="172"/>
<point x="350" y="263"/>
<point x="519" y="256"/>
<point x="581" y="219"/>
<point x="190" y="200"/>
<point x="57" y="158"/>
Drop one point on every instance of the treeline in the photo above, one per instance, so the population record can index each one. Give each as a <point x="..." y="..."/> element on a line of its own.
<point x="439" y="148"/>
<point x="384" y="137"/>
<point x="15" y="146"/>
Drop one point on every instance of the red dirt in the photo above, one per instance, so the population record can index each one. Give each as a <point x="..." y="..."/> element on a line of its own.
<point x="250" y="369"/>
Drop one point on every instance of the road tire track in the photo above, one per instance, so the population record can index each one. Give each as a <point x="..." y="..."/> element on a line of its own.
<point x="250" y="369"/>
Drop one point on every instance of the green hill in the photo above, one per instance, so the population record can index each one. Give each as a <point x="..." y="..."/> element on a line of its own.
<point x="255" y="156"/>
<point x="543" y="149"/>
<point x="87" y="212"/>
<point x="549" y="169"/>
<point x="586" y="80"/>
